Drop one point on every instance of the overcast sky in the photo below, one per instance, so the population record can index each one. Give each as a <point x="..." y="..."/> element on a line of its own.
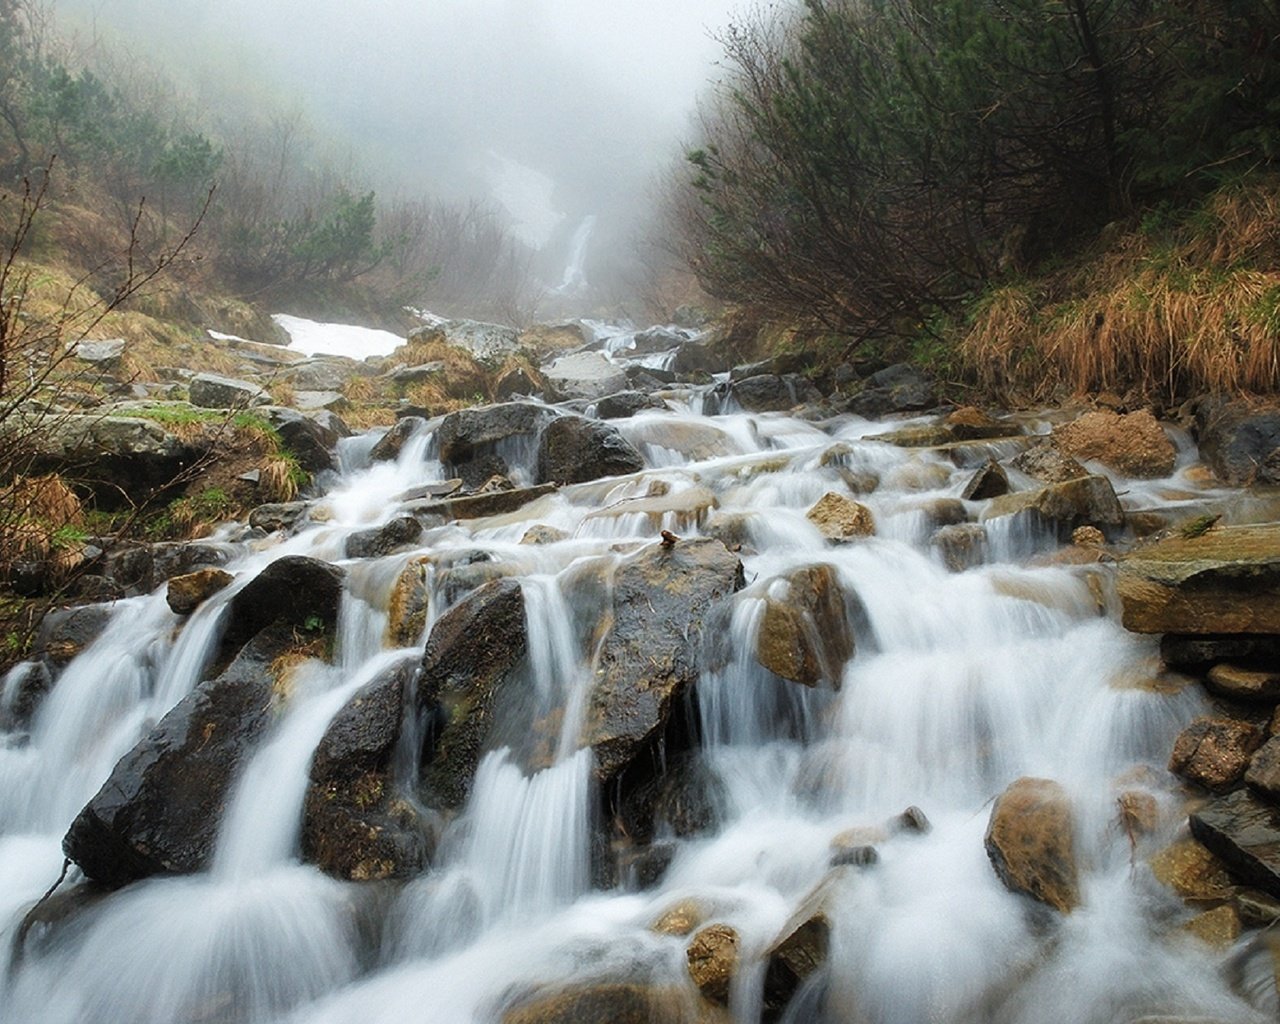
<point x="445" y="96"/>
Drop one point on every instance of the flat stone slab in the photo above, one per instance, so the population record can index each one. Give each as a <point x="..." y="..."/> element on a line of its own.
<point x="1245" y="833"/>
<point x="1225" y="581"/>
<point x="478" y="506"/>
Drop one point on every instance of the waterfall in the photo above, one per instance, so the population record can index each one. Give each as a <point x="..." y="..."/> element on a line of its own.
<point x="957" y="683"/>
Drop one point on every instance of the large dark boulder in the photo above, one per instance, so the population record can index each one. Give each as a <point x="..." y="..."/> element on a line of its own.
<point x="140" y="570"/>
<point x="298" y="592"/>
<point x="476" y="444"/>
<point x="770" y="392"/>
<point x="383" y="540"/>
<point x="1031" y="843"/>
<point x="159" y="811"/>
<point x="65" y="632"/>
<point x="626" y="404"/>
<point x="573" y="449"/>
<point x="1241" y="443"/>
<point x="392" y="443"/>
<point x="311" y="439"/>
<point x="897" y="388"/>
<point x="473" y="660"/>
<point x="355" y="825"/>
<point x="665" y="600"/>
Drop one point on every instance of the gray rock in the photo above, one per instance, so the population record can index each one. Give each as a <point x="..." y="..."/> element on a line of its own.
<point x="392" y="443"/>
<point x="1245" y="833"/>
<point x="159" y="811"/>
<point x="625" y="404"/>
<point x="656" y="339"/>
<point x="1086" y="501"/>
<point x="287" y="516"/>
<point x="897" y="388"/>
<point x="414" y="374"/>
<point x="311" y="439"/>
<point x="664" y="601"/>
<point x="470" y="666"/>
<point x="573" y="449"/>
<point x="488" y="343"/>
<point x="329" y="373"/>
<point x="385" y="539"/>
<point x="310" y="401"/>
<point x="64" y="633"/>
<point x="584" y="375"/>
<point x="773" y="393"/>
<point x="990" y="481"/>
<point x="105" y="352"/>
<point x="1240" y="443"/>
<point x="296" y="591"/>
<point x="210" y="391"/>
<point x="476" y="444"/>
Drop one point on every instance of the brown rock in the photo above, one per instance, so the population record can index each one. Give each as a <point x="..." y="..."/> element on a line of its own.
<point x="1031" y="842"/>
<point x="969" y="423"/>
<point x="1139" y="813"/>
<point x="1225" y="581"/>
<point x="713" y="959"/>
<point x="681" y="919"/>
<point x="1246" y="684"/>
<point x="1264" y="769"/>
<point x="800" y="949"/>
<point x="989" y="481"/>
<point x="187" y="593"/>
<point x="1132" y="444"/>
<point x="541" y="533"/>
<point x="840" y="518"/>
<point x="1245" y="832"/>
<point x="1087" y="537"/>
<point x="604" y="1003"/>
<point x="806" y="637"/>
<point x="410" y="597"/>
<point x="1219" y="927"/>
<point x="1046" y="463"/>
<point x="1084" y="501"/>
<point x="1192" y="871"/>
<point x="1214" y="752"/>
<point x="962" y="546"/>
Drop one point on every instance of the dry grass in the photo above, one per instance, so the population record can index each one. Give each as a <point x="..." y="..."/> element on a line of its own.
<point x="278" y="479"/>
<point x="42" y="522"/>
<point x="1200" y="311"/>
<point x="461" y="377"/>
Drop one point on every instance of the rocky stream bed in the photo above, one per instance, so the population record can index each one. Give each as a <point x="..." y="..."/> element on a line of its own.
<point x="682" y="698"/>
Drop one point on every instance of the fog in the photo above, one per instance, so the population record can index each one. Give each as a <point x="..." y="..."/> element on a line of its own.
<point x="556" y="109"/>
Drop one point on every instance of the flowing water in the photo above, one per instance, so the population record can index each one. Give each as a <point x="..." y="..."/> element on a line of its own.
<point x="961" y="683"/>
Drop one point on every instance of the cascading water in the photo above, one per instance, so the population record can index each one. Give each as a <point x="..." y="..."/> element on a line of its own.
<point x="960" y="683"/>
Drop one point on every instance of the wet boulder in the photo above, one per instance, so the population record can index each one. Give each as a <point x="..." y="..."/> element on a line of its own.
<point x="897" y="388"/>
<point x="694" y="440"/>
<point x="1048" y="464"/>
<point x="298" y="592"/>
<point x="66" y="632"/>
<point x="409" y="603"/>
<point x="280" y="516"/>
<point x="472" y="663"/>
<point x="1240" y="442"/>
<point x="969" y="423"/>
<point x="770" y="392"/>
<point x="606" y="1002"/>
<point x="1264" y="770"/>
<point x="494" y="501"/>
<point x="22" y="691"/>
<point x="475" y="444"/>
<point x="656" y="339"/>
<point x="210" y="391"/>
<point x="686" y="799"/>
<point x="355" y="825"/>
<point x="1030" y="841"/>
<point x="518" y="381"/>
<point x="573" y="450"/>
<point x="1214" y="752"/>
<point x="1239" y="682"/>
<point x="841" y="518"/>
<point x="1244" y="832"/>
<point x="392" y="443"/>
<point x="311" y="438"/>
<point x="1195" y="652"/>
<point x="1132" y="443"/>
<point x="624" y="404"/>
<point x="664" y="601"/>
<point x="1224" y="581"/>
<point x="800" y="950"/>
<point x="988" y="481"/>
<point x="1085" y="501"/>
<point x="805" y="635"/>
<point x="383" y="540"/>
<point x="712" y="957"/>
<point x="187" y="592"/>
<point x="159" y="811"/>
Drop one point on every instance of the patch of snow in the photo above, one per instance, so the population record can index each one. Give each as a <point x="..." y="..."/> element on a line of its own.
<point x="312" y="338"/>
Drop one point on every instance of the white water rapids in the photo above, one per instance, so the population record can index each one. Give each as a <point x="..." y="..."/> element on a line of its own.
<point x="961" y="683"/>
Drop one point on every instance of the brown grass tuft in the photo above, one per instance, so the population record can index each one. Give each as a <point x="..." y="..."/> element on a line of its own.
<point x="1200" y="313"/>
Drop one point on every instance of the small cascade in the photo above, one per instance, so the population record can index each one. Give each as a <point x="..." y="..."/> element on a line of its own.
<point x="773" y="781"/>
